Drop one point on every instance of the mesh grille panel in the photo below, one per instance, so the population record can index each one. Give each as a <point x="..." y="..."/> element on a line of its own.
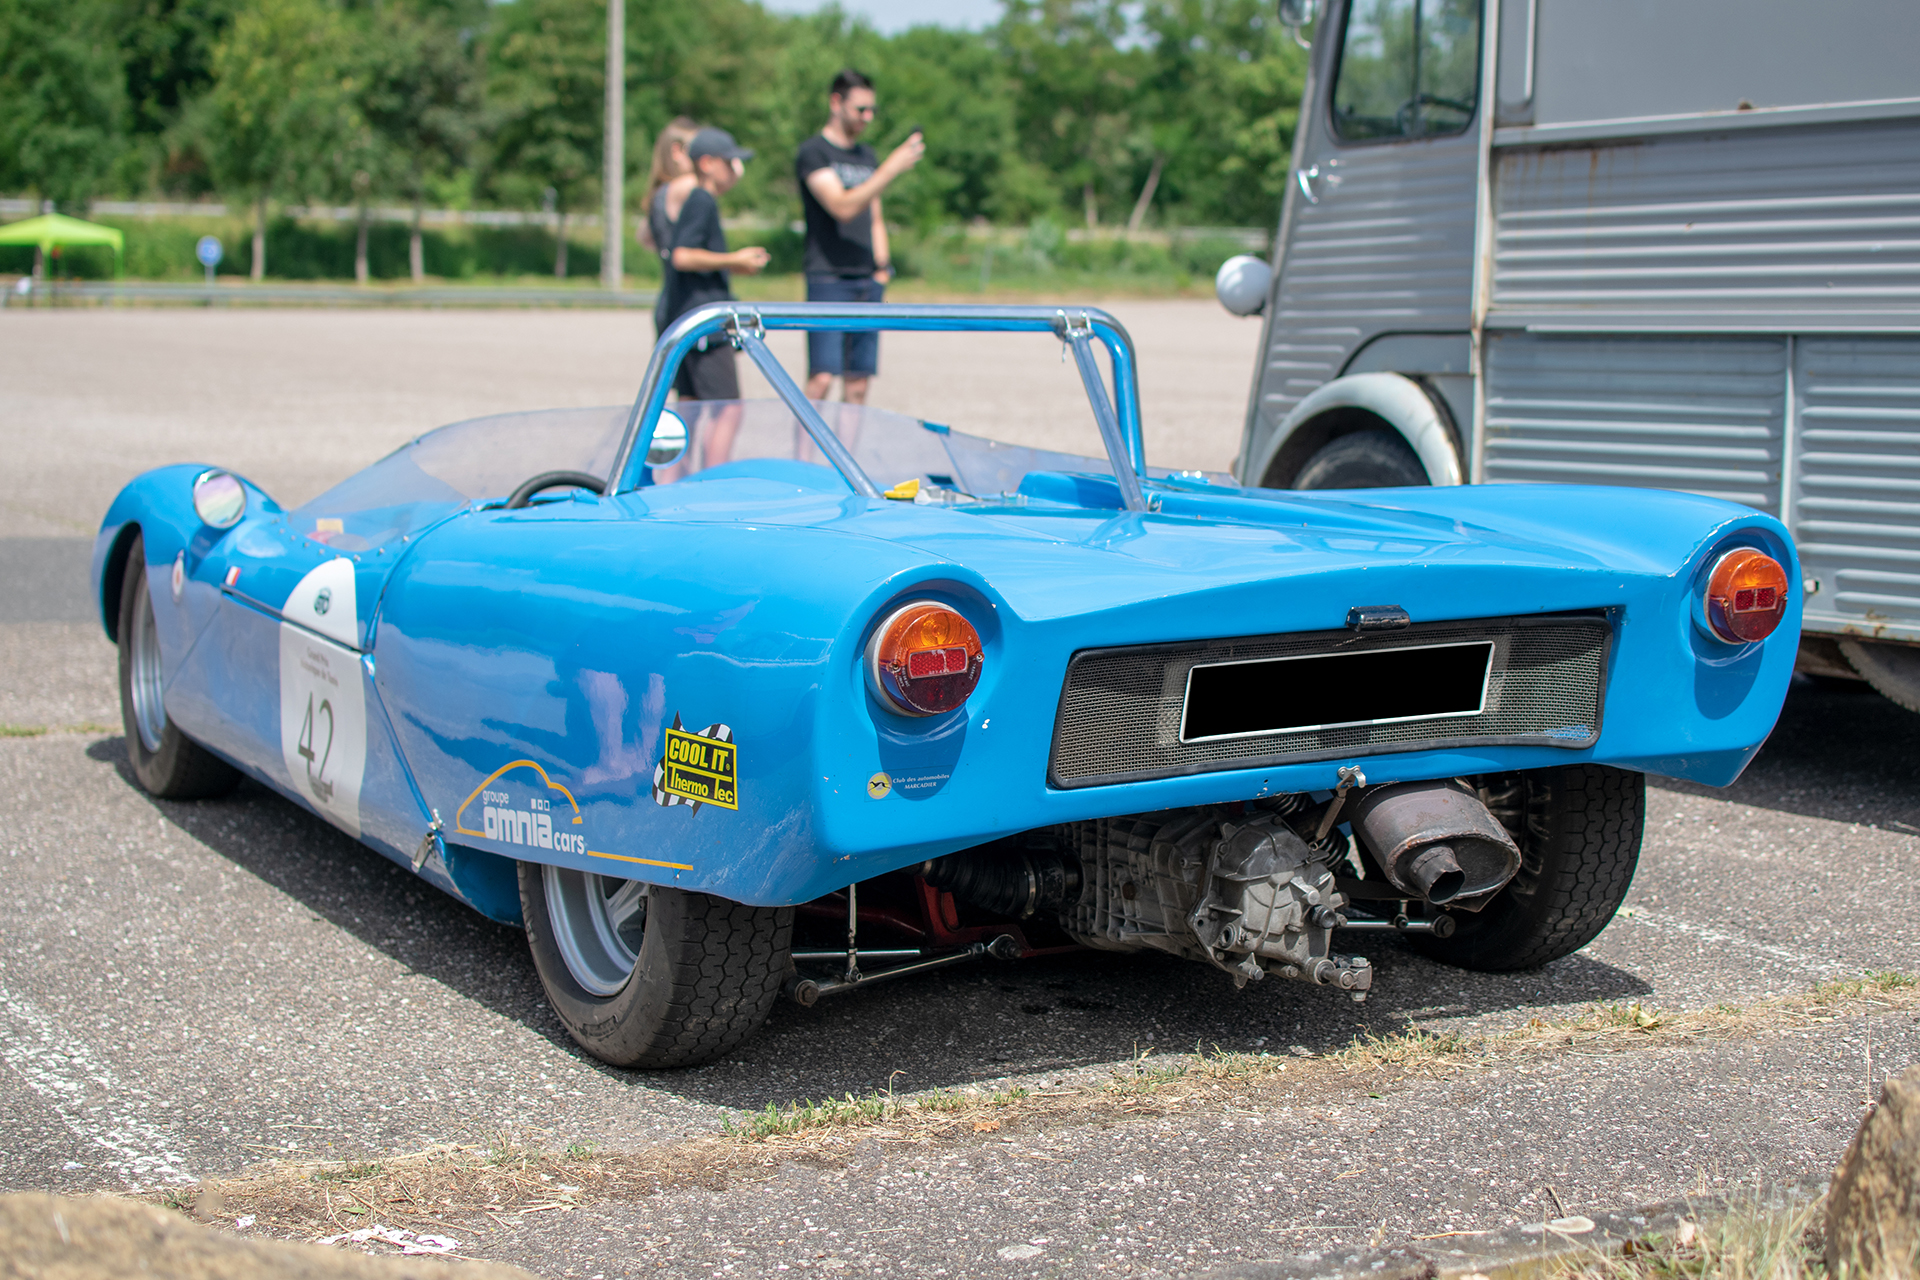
<point x="1119" y="718"/>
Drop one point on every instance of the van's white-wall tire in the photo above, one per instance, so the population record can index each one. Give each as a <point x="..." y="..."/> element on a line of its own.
<point x="1397" y="400"/>
<point x="1892" y="669"/>
<point x="707" y="973"/>
<point x="165" y="762"/>
<point x="1372" y="458"/>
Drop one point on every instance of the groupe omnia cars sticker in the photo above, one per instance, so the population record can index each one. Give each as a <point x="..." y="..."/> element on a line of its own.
<point x="520" y="805"/>
<point x="698" y="768"/>
<point x="323" y="702"/>
<point x="513" y="810"/>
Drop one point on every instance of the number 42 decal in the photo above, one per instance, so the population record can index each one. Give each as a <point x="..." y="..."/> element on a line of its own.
<point x="317" y="760"/>
<point x="323" y="724"/>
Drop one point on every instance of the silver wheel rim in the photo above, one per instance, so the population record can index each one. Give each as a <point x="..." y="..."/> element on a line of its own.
<point x="149" y="711"/>
<point x="598" y="922"/>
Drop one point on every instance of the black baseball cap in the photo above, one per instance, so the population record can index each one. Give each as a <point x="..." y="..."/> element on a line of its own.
<point x="716" y="142"/>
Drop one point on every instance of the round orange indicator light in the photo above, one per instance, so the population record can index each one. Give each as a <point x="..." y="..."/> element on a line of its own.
<point x="1746" y="596"/>
<point x="924" y="659"/>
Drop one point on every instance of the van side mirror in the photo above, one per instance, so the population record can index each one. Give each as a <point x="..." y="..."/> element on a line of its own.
<point x="1242" y="284"/>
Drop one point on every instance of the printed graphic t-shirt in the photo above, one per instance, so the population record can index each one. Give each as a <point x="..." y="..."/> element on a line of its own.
<point x="836" y="248"/>
<point x="698" y="228"/>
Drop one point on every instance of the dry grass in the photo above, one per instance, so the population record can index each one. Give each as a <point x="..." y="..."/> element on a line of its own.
<point x="42" y="730"/>
<point x="1751" y="1241"/>
<point x="1754" y="1239"/>
<point x="485" y="1188"/>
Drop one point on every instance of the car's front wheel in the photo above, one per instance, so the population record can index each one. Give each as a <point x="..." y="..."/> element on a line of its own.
<point x="648" y="976"/>
<point x="166" y="763"/>
<point x="1578" y="828"/>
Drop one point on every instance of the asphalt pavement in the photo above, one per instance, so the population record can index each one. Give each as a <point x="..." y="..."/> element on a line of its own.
<point x="187" y="990"/>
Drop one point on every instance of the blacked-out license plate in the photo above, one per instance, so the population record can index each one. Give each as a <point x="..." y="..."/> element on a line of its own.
<point x="1335" y="690"/>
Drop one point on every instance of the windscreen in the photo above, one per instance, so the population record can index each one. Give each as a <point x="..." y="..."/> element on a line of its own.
<point x="892" y="448"/>
<point x="473" y="461"/>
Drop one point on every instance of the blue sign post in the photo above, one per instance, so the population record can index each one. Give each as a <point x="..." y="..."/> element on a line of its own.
<point x="209" y="251"/>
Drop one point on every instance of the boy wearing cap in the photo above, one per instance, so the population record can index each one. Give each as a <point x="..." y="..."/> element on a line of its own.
<point x="701" y="263"/>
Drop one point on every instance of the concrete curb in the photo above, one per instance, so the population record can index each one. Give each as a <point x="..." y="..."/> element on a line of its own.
<point x="1522" y="1251"/>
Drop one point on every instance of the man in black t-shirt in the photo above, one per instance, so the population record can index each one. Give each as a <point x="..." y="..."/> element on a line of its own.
<point x="847" y="256"/>
<point x="697" y="251"/>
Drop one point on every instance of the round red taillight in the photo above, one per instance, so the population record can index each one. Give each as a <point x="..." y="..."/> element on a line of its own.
<point x="1746" y="596"/>
<point x="924" y="659"/>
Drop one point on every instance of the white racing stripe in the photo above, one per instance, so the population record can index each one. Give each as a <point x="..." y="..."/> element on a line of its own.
<point x="1824" y="966"/>
<point x="82" y="1089"/>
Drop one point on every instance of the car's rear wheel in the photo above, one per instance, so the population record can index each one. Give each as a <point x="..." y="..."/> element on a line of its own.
<point x="1375" y="458"/>
<point x="166" y="763"/>
<point x="1579" y="829"/>
<point x="648" y="976"/>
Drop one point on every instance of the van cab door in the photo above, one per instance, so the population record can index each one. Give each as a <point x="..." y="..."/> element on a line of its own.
<point x="1378" y="232"/>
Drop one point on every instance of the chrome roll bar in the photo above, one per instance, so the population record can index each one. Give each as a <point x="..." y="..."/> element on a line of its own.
<point x="745" y="325"/>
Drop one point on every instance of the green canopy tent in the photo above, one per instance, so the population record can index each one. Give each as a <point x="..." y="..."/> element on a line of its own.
<point x="51" y="229"/>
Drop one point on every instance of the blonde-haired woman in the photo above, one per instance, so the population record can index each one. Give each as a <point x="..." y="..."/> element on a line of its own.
<point x="672" y="180"/>
<point x="667" y="188"/>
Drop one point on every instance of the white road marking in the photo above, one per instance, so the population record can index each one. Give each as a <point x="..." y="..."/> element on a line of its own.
<point x="1706" y="933"/>
<point x="87" y="1097"/>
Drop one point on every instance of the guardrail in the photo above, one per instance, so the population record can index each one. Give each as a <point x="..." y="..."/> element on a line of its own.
<point x="109" y="293"/>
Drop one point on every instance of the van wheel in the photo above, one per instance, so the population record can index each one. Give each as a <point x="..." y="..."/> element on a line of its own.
<point x="649" y="976"/>
<point x="1892" y="669"/>
<point x="1376" y="458"/>
<point x="1579" y="828"/>
<point x="166" y="763"/>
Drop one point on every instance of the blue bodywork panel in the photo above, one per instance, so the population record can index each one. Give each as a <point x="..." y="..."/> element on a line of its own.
<point x="406" y="656"/>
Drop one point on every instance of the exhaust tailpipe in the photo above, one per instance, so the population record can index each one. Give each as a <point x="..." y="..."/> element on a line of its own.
<point x="1436" y="842"/>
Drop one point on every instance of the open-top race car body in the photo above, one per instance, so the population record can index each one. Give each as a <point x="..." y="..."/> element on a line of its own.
<point x="703" y="695"/>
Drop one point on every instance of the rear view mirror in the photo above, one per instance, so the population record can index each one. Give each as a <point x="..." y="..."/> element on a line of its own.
<point x="219" y="499"/>
<point x="669" y="440"/>
<point x="1242" y="284"/>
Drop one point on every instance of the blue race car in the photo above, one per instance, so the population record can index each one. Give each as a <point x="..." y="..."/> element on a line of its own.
<point x="731" y="699"/>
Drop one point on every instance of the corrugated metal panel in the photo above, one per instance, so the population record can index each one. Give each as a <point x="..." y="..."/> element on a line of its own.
<point x="1696" y="414"/>
<point x="1856" y="490"/>
<point x="1789" y="228"/>
<point x="1389" y="247"/>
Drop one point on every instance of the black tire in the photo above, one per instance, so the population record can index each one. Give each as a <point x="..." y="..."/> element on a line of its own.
<point x="1376" y="458"/>
<point x="166" y="763"/>
<point x="1892" y="669"/>
<point x="706" y="974"/>
<point x="1579" y="829"/>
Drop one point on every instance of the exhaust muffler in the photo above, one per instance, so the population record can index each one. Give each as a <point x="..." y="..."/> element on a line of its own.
<point x="1436" y="842"/>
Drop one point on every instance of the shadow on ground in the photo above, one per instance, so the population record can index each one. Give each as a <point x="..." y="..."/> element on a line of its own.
<point x="1839" y="751"/>
<point x="941" y="1030"/>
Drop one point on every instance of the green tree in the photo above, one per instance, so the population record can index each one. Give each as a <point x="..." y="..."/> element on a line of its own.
<point x="546" y="72"/>
<point x="63" y="103"/>
<point x="281" y="107"/>
<point x="1224" y="83"/>
<point x="167" y="47"/>
<point x="1080" y="83"/>
<point x="420" y="96"/>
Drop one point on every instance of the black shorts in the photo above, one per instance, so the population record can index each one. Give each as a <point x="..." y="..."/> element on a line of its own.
<point x="708" y="374"/>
